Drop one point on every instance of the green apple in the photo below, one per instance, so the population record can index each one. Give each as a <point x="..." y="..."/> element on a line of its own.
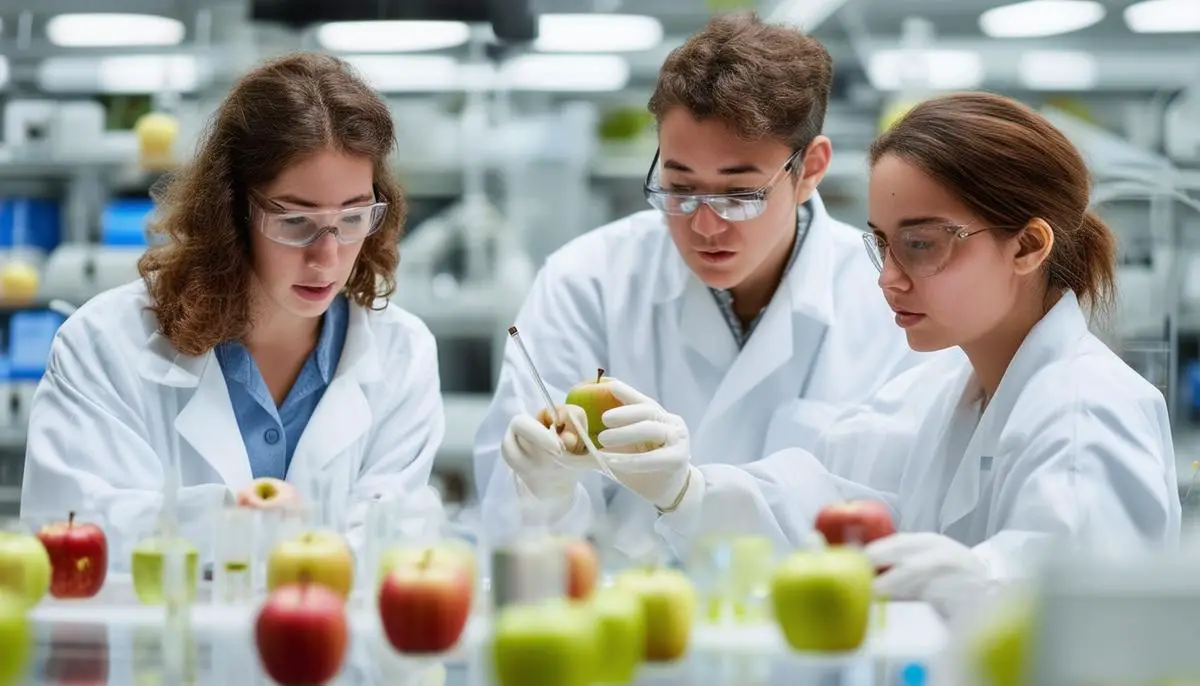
<point x="24" y="566"/>
<point x="622" y="628"/>
<point x="999" y="649"/>
<point x="595" y="398"/>
<point x="322" y="557"/>
<point x="16" y="638"/>
<point x="552" y="643"/>
<point x="669" y="606"/>
<point x="822" y="599"/>
<point x="148" y="564"/>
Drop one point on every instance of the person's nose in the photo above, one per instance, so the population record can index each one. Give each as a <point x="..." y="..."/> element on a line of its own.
<point x="892" y="276"/>
<point x="707" y="223"/>
<point x="323" y="255"/>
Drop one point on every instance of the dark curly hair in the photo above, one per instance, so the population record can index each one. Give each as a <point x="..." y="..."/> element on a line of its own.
<point x="285" y="110"/>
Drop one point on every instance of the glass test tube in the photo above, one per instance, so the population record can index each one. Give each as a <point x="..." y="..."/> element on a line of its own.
<point x="234" y="559"/>
<point x="270" y="528"/>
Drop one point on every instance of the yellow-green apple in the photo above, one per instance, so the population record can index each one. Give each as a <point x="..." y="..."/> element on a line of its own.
<point x="78" y="558"/>
<point x="999" y="648"/>
<point x="269" y="493"/>
<point x="18" y="282"/>
<point x="595" y="398"/>
<point x="450" y="550"/>
<point x="321" y="557"/>
<point x="857" y="522"/>
<point x="583" y="568"/>
<point x="669" y="605"/>
<point x="24" y="567"/>
<point x="551" y="643"/>
<point x="822" y="598"/>
<point x="301" y="633"/>
<point x="424" y="606"/>
<point x="621" y="624"/>
<point x="16" y="638"/>
<point x="148" y="563"/>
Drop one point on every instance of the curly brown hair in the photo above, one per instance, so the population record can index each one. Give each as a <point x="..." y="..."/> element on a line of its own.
<point x="284" y="111"/>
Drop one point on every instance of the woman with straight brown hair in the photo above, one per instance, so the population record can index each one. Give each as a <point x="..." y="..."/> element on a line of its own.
<point x="1038" y="435"/>
<point x="259" y="349"/>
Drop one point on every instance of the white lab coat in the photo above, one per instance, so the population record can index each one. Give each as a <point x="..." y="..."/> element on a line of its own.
<point x="1073" y="449"/>
<point x="621" y="297"/>
<point x="117" y="398"/>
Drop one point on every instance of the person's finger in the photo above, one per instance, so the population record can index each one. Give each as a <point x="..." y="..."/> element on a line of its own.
<point x="625" y="415"/>
<point x="627" y="394"/>
<point x="642" y="433"/>
<point x="531" y="432"/>
<point x="896" y="548"/>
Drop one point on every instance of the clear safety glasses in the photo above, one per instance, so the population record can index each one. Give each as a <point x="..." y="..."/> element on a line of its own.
<point x="921" y="251"/>
<point x="734" y="207"/>
<point x="302" y="228"/>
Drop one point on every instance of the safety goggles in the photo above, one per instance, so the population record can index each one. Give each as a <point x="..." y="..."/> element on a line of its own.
<point x="734" y="207"/>
<point x="302" y="228"/>
<point x="921" y="251"/>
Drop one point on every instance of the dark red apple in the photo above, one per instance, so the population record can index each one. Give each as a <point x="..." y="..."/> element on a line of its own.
<point x="424" y="606"/>
<point x="855" y="523"/>
<point x="301" y="633"/>
<point x="78" y="558"/>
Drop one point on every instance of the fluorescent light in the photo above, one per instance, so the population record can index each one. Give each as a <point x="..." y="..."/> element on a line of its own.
<point x="937" y="69"/>
<point x="120" y="74"/>
<point x="1163" y="16"/>
<point x="106" y="30"/>
<point x="1040" y="18"/>
<point x="408" y="73"/>
<point x="392" y="36"/>
<point x="1058" y="70"/>
<point x="566" y="73"/>
<point x="597" y="33"/>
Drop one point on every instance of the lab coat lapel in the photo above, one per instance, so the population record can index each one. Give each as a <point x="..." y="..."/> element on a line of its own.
<point x="794" y="324"/>
<point x="926" y="473"/>
<point x="206" y="422"/>
<point x="343" y="416"/>
<point x="1057" y="331"/>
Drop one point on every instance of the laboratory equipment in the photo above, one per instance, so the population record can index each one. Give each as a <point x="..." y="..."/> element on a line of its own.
<point x="234" y="557"/>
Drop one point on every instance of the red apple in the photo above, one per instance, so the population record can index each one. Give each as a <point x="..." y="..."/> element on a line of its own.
<point x="855" y="523"/>
<point x="301" y="633"/>
<point x="78" y="558"/>
<point x="424" y="606"/>
<point x="583" y="568"/>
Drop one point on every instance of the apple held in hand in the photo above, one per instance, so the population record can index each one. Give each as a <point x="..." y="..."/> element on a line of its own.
<point x="552" y="643"/>
<point x="16" y="638"/>
<point x="621" y="625"/>
<point x="583" y="568"/>
<point x="822" y="599"/>
<point x="269" y="493"/>
<point x="595" y="398"/>
<point x="669" y="605"/>
<point x="24" y="567"/>
<point x="301" y="634"/>
<point x="855" y="523"/>
<point x="320" y="557"/>
<point x="424" y="606"/>
<point x="78" y="558"/>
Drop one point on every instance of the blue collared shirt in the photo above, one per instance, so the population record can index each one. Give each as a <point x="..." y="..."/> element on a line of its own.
<point x="271" y="433"/>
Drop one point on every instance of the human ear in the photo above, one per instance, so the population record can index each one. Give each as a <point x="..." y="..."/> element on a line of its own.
<point x="813" y="165"/>
<point x="1033" y="246"/>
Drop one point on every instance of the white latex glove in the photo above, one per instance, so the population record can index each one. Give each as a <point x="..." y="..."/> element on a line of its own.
<point x="929" y="567"/>
<point x="535" y="453"/>
<point x="646" y="447"/>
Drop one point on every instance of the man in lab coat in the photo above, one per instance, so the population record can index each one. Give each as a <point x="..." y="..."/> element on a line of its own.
<point x="737" y="302"/>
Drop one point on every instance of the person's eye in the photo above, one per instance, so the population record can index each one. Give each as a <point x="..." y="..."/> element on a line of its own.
<point x="678" y="188"/>
<point x="294" y="220"/>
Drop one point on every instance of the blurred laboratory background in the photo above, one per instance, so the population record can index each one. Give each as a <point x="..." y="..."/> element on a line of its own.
<point x="522" y="124"/>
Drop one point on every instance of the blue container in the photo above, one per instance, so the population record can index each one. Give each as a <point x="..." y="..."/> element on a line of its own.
<point x="30" y="334"/>
<point x="30" y="223"/>
<point x="123" y="222"/>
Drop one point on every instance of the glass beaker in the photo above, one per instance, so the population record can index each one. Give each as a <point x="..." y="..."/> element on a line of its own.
<point x="234" y="557"/>
<point x="148" y="564"/>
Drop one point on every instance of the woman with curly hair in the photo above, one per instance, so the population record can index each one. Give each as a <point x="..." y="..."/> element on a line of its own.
<point x="259" y="346"/>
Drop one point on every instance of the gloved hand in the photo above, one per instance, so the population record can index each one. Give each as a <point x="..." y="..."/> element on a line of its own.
<point x="646" y="447"/>
<point x="535" y="453"/>
<point x="929" y="567"/>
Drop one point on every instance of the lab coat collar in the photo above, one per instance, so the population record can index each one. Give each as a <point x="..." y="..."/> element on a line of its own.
<point x="1055" y="336"/>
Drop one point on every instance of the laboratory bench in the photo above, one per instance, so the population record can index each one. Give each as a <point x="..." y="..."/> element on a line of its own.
<point x="112" y="640"/>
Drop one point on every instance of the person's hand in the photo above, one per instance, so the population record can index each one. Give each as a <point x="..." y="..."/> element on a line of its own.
<point x="269" y="493"/>
<point x="536" y="452"/>
<point x="646" y="447"/>
<point x="928" y="567"/>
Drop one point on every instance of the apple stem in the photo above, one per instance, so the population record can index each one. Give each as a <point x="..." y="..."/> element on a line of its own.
<point x="426" y="559"/>
<point x="70" y="519"/>
<point x="599" y="374"/>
